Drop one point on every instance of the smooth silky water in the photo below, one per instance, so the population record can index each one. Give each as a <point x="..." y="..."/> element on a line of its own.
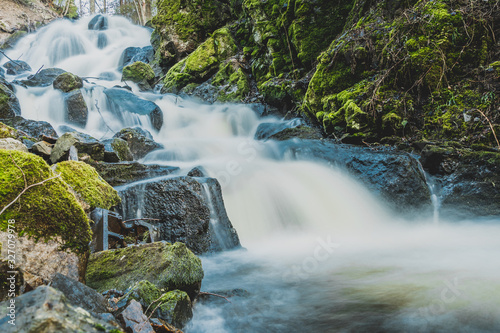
<point x="321" y="253"/>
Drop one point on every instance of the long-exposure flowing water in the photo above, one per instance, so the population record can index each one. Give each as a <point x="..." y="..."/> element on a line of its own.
<point x="322" y="254"/>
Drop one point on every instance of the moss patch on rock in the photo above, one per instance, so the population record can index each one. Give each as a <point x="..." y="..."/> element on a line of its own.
<point x="46" y="211"/>
<point x="167" y="266"/>
<point x="85" y="181"/>
<point x="7" y="132"/>
<point x="67" y="82"/>
<point x="138" y="72"/>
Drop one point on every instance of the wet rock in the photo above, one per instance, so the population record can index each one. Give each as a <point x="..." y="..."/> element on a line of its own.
<point x="46" y="310"/>
<point x="116" y="150"/>
<point x="42" y="149"/>
<point x="303" y="132"/>
<point x="267" y="130"/>
<point x="67" y="82"/>
<point x="173" y="307"/>
<point x="9" y="104"/>
<point x="197" y="172"/>
<point x="16" y="67"/>
<point x="44" y="78"/>
<point x="167" y="266"/>
<point x="140" y="73"/>
<point x="140" y="141"/>
<point x="102" y="41"/>
<point x="99" y="22"/>
<point x="386" y="172"/>
<point x="134" y="320"/>
<point x="33" y="128"/>
<point x="122" y="100"/>
<point x="65" y="129"/>
<point x="12" y="144"/>
<point x="79" y="294"/>
<point x="133" y="54"/>
<point x="2" y="72"/>
<point x="76" y="108"/>
<point x="123" y="173"/>
<point x="185" y="207"/>
<point x="41" y="261"/>
<point x="84" y="143"/>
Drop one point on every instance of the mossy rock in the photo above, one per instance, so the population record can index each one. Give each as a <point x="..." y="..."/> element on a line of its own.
<point x="173" y="306"/>
<point x="85" y="181"/>
<point x="233" y="81"/>
<point x="167" y="266"/>
<point x="67" y="82"/>
<point x="138" y="72"/>
<point x="202" y="63"/>
<point x="9" y="104"/>
<point x="7" y="132"/>
<point x="46" y="211"/>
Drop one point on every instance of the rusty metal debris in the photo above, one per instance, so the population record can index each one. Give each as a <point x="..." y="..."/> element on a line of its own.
<point x="111" y="232"/>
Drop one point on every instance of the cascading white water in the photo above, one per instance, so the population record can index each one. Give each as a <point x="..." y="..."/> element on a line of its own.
<point x="323" y="255"/>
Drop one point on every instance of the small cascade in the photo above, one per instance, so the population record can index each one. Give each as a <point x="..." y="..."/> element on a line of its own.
<point x="434" y="190"/>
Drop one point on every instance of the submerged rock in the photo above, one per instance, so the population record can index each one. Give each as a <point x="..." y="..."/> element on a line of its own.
<point x="190" y="210"/>
<point x="122" y="100"/>
<point x="139" y="141"/>
<point x="46" y="310"/>
<point x="167" y="266"/>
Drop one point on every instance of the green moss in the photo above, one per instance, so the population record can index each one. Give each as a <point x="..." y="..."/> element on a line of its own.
<point x="202" y="63"/>
<point x="138" y="72"/>
<point x="85" y="181"/>
<point x="234" y="83"/>
<point x="7" y="132"/>
<point x="47" y="211"/>
<point x="67" y="82"/>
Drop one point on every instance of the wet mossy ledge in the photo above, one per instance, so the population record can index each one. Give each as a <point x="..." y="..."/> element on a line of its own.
<point x="358" y="70"/>
<point x="46" y="211"/>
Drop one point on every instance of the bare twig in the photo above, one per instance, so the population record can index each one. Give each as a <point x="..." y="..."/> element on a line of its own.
<point x="6" y="56"/>
<point x="211" y="294"/>
<point x="25" y="186"/>
<point x="39" y="69"/>
<point x="491" y="126"/>
<point x="155" y="307"/>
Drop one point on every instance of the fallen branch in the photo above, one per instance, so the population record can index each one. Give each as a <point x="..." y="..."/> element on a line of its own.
<point x="211" y="294"/>
<point x="6" y="56"/>
<point x="26" y="187"/>
<point x="155" y="307"/>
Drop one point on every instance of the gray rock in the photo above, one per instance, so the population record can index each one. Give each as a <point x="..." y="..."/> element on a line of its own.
<point x="197" y="172"/>
<point x="134" y="320"/>
<point x="76" y="108"/>
<point x="12" y="144"/>
<point x="266" y="130"/>
<point x="46" y="310"/>
<point x="99" y="22"/>
<point x="79" y="294"/>
<point x="116" y="150"/>
<point x="16" y="67"/>
<point x="44" y="78"/>
<point x="133" y="54"/>
<point x="33" y="128"/>
<point x="139" y="141"/>
<point x="9" y="104"/>
<point x="190" y="210"/>
<point x="84" y="143"/>
<point x="43" y="149"/>
<point x="122" y="173"/>
<point x="122" y="100"/>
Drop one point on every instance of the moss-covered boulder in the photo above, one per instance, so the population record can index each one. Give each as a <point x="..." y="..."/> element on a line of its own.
<point x="67" y="82"/>
<point x="167" y="266"/>
<point x="180" y="26"/>
<point x="85" y="181"/>
<point x="45" y="211"/>
<point x="116" y="150"/>
<point x="7" y="131"/>
<point x="174" y="306"/>
<point x="202" y="63"/>
<point x="233" y="82"/>
<point x="9" y="104"/>
<point x="140" y="73"/>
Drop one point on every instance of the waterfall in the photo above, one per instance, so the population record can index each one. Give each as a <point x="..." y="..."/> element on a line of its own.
<point x="322" y="252"/>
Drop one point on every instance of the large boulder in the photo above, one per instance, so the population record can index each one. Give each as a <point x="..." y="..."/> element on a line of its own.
<point x="84" y="143"/>
<point x="12" y="144"/>
<point x="16" y="67"/>
<point x="116" y="150"/>
<point x="46" y="310"/>
<point x="9" y="104"/>
<point x="46" y="211"/>
<point x="122" y="100"/>
<point x="190" y="210"/>
<point x="122" y="173"/>
<point x="167" y="266"/>
<point x="140" y="73"/>
<point x="140" y="141"/>
<point x="87" y="183"/>
<point x="77" y="111"/>
<point x="98" y="22"/>
<point x="33" y="128"/>
<point x="44" y="78"/>
<point x="67" y="82"/>
<point x="394" y="176"/>
<point x="133" y="54"/>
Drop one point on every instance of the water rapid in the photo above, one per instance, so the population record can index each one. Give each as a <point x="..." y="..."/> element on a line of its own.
<point x="323" y="254"/>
